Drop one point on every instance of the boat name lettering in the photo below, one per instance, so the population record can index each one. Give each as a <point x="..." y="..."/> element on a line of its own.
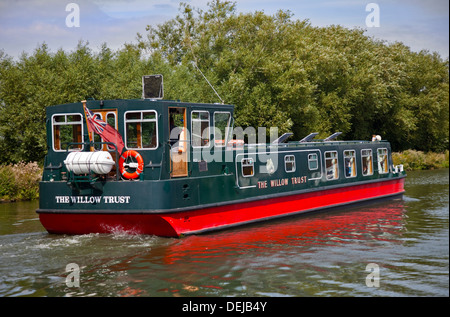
<point x="282" y="182"/>
<point x="92" y="199"/>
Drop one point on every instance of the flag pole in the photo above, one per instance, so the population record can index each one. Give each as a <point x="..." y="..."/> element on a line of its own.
<point x="91" y="148"/>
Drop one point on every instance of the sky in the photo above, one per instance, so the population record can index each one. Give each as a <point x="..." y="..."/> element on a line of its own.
<point x="25" y="24"/>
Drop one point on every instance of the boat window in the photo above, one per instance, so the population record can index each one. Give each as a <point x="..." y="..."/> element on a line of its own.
<point x="247" y="167"/>
<point x="350" y="163"/>
<point x="221" y="123"/>
<point x="367" y="165"/>
<point x="313" y="162"/>
<point x="141" y="130"/>
<point x="111" y="120"/>
<point x="67" y="128"/>
<point x="200" y="128"/>
<point x="97" y="137"/>
<point x="331" y="165"/>
<point x="179" y="142"/>
<point x="289" y="163"/>
<point x="382" y="161"/>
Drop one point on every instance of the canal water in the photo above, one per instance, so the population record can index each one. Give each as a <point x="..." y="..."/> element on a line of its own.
<point x="390" y="248"/>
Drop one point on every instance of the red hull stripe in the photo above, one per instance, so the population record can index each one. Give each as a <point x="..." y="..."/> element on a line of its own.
<point x="201" y="220"/>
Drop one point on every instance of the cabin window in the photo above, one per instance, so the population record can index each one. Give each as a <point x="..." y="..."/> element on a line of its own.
<point x="350" y="163"/>
<point x="141" y="130"/>
<point x="313" y="162"/>
<point x="289" y="163"/>
<point x="200" y="128"/>
<point x="247" y="165"/>
<point x="221" y="123"/>
<point x="97" y="137"/>
<point x="331" y="165"/>
<point x="111" y="120"/>
<point x="382" y="161"/>
<point x="367" y="165"/>
<point x="67" y="128"/>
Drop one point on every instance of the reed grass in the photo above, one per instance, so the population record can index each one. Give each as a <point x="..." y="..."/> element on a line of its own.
<point x="418" y="160"/>
<point x="19" y="181"/>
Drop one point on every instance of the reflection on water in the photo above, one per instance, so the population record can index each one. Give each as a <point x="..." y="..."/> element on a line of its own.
<point x="300" y="234"/>
<point x="321" y="254"/>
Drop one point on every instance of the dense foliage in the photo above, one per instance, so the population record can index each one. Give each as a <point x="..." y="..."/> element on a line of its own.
<point x="19" y="181"/>
<point x="418" y="160"/>
<point x="277" y="71"/>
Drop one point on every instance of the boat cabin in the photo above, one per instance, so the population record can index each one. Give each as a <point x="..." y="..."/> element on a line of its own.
<point x="167" y="140"/>
<point x="154" y="128"/>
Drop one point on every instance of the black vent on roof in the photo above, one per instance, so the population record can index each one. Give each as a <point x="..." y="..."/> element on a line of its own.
<point x="152" y="87"/>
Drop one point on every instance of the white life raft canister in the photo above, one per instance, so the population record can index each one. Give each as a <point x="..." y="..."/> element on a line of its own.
<point x="100" y="162"/>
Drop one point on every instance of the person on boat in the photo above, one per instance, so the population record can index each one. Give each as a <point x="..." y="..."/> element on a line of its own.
<point x="175" y="132"/>
<point x="348" y="167"/>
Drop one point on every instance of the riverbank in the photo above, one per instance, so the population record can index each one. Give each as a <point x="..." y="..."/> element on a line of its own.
<point x="413" y="160"/>
<point x="21" y="181"/>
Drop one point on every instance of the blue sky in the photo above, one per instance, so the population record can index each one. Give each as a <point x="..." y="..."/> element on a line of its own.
<point x="24" y="24"/>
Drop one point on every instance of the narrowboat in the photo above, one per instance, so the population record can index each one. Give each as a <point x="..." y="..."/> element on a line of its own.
<point x="170" y="168"/>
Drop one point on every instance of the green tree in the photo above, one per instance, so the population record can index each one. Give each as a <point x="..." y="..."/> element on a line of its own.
<point x="283" y="72"/>
<point x="278" y="72"/>
<point x="43" y="79"/>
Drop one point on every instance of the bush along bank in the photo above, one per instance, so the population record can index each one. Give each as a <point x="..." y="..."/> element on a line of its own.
<point x="418" y="160"/>
<point x="19" y="181"/>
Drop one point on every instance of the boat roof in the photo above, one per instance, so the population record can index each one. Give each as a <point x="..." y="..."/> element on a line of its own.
<point x="136" y="104"/>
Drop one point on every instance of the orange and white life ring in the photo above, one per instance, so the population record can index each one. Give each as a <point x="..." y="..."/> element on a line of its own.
<point x="139" y="165"/>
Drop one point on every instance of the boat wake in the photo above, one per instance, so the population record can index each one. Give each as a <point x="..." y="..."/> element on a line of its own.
<point x="120" y="231"/>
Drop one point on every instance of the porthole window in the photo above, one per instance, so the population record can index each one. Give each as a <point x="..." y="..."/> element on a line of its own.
<point x="289" y="163"/>
<point x="247" y="167"/>
<point x="313" y="162"/>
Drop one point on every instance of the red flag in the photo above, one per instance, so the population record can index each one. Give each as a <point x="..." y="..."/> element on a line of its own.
<point x="107" y="132"/>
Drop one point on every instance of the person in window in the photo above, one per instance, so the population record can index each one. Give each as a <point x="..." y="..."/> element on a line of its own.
<point x="348" y="167"/>
<point x="331" y="169"/>
<point x="383" y="166"/>
<point x="174" y="132"/>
